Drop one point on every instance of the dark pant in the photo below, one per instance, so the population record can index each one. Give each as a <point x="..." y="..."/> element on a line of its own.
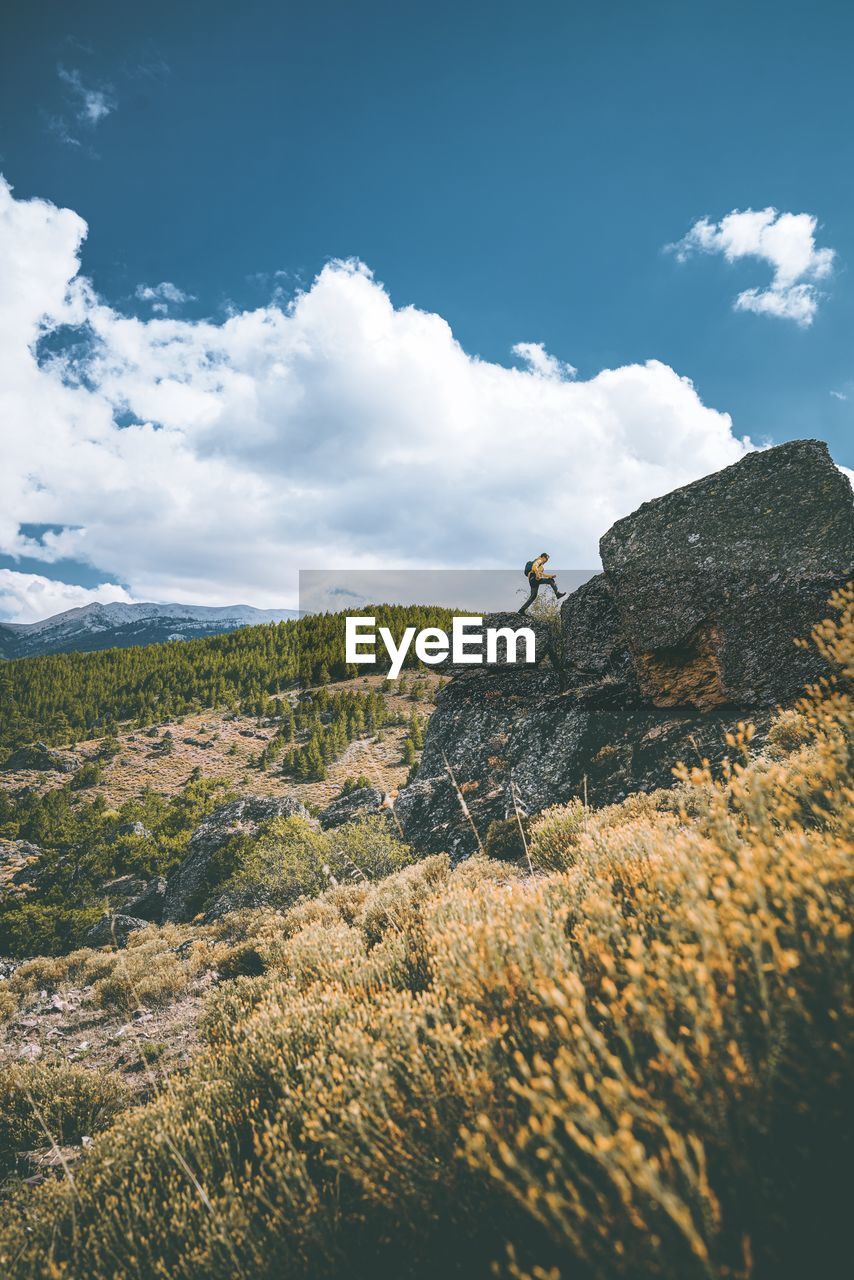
<point x="536" y="583"/>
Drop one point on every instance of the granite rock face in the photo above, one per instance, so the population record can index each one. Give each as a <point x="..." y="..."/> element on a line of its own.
<point x="498" y="751"/>
<point x="713" y="582"/>
<point x="690" y="628"/>
<point x="593" y="644"/>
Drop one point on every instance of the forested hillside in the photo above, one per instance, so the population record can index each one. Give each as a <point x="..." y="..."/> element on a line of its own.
<point x="64" y="697"/>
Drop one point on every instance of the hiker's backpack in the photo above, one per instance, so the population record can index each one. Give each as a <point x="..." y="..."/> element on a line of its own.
<point x="528" y="567"/>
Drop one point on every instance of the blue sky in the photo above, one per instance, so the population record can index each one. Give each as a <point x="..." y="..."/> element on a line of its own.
<point x="515" y="170"/>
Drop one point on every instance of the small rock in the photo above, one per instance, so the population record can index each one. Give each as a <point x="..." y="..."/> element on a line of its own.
<point x="138" y="829"/>
<point x="355" y="804"/>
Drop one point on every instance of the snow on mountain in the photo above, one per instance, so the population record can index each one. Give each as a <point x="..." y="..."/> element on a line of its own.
<point x="111" y="626"/>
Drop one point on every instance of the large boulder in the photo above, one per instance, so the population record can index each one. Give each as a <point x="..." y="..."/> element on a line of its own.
<point x="690" y="629"/>
<point x="593" y="642"/>
<point x="358" y="803"/>
<point x="191" y="883"/>
<point x="714" y="582"/>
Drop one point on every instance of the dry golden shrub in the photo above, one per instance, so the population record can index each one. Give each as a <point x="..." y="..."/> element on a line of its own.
<point x="46" y="1104"/>
<point x="9" y="1003"/>
<point x="157" y="965"/>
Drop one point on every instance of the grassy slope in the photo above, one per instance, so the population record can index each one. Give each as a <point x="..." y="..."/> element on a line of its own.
<point x="233" y="741"/>
<point x="631" y="1063"/>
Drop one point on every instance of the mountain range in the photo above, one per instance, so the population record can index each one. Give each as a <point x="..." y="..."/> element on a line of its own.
<point x="120" y="626"/>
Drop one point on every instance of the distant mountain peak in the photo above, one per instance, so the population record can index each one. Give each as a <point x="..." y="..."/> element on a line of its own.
<point x="118" y="625"/>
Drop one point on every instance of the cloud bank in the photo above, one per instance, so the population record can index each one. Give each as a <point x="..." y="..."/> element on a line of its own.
<point x="786" y="241"/>
<point x="28" y="597"/>
<point x="207" y="462"/>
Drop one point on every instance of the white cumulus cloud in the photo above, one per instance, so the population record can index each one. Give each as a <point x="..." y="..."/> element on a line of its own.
<point x="28" y="597"/>
<point x="785" y="241"/>
<point x="206" y="462"/>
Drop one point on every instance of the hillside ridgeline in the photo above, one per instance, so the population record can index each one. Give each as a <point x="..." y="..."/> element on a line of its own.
<point x="64" y="697"/>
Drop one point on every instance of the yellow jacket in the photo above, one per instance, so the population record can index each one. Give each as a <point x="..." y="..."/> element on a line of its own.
<point x="538" y="566"/>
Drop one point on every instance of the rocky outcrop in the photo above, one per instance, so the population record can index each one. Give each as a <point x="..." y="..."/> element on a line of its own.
<point x="355" y="804"/>
<point x="192" y="882"/>
<point x="19" y="863"/>
<point x="37" y="755"/>
<point x="150" y="903"/>
<point x="144" y="899"/>
<point x="113" y="928"/>
<point x="690" y="628"/>
<point x="507" y="660"/>
<point x="714" y="581"/>
<point x="122" y="889"/>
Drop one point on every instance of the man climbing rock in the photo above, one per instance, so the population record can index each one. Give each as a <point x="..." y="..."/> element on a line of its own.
<point x="537" y="577"/>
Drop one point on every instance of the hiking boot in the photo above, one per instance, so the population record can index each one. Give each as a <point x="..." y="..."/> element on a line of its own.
<point x="560" y="593"/>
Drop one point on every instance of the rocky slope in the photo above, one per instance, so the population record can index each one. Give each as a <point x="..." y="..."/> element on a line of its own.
<point x="690" y="629"/>
<point x="121" y="626"/>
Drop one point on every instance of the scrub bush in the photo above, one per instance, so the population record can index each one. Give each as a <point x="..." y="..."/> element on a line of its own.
<point x="41" y="1105"/>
